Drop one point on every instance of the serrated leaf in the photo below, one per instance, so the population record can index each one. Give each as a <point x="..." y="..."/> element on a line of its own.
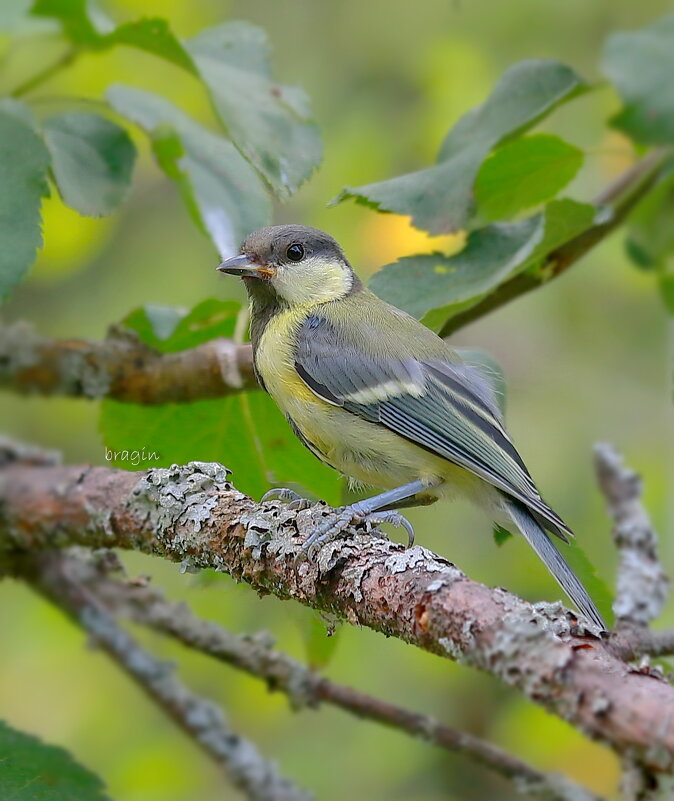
<point x="246" y="432"/>
<point x="269" y="123"/>
<point x="641" y="65"/>
<point x="524" y="173"/>
<point x="221" y="189"/>
<point x="34" y="771"/>
<point x="440" y="199"/>
<point x="92" y="161"/>
<point x="96" y="32"/>
<point x="24" y="160"/>
<point x="434" y="287"/>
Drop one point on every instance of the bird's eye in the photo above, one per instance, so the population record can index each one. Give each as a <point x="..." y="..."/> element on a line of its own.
<point x="295" y="252"/>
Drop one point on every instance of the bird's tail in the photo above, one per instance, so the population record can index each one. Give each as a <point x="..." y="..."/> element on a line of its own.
<point x="539" y="540"/>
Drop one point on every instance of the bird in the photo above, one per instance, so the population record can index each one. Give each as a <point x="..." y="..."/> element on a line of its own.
<point x="382" y="399"/>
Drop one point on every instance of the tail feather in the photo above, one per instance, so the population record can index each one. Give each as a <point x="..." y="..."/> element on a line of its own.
<point x="539" y="540"/>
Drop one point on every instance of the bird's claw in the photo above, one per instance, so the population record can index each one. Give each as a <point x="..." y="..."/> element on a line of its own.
<point x="295" y="501"/>
<point x="334" y="525"/>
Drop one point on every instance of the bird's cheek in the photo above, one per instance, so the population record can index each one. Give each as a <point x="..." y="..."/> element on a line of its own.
<point x="279" y="280"/>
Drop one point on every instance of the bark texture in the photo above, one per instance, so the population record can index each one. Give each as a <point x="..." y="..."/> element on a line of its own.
<point x="194" y="514"/>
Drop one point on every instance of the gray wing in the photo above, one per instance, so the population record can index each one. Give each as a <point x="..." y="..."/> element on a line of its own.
<point x="443" y="406"/>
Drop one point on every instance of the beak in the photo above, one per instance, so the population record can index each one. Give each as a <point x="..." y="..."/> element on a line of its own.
<point x="243" y="266"/>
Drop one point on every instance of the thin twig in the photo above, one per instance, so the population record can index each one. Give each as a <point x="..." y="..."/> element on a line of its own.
<point x="633" y="642"/>
<point x="625" y="192"/>
<point x="256" y="656"/>
<point x="642" y="585"/>
<point x="202" y="719"/>
<point x="194" y="513"/>
<point x="65" y="60"/>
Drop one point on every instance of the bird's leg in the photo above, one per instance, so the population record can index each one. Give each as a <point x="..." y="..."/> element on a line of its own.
<point x="296" y="501"/>
<point x="372" y="510"/>
<point x="407" y="503"/>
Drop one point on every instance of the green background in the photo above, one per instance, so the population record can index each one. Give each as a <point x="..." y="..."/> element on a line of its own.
<point x="585" y="359"/>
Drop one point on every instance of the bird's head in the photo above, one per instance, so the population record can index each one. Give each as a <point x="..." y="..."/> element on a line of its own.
<point x="297" y="264"/>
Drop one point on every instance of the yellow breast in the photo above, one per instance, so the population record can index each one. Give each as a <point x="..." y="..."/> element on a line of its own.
<point x="275" y="359"/>
<point x="364" y="451"/>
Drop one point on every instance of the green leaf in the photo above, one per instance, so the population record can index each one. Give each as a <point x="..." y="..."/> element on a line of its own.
<point x="524" y="173"/>
<point x="428" y="281"/>
<point x="245" y="432"/>
<point x="33" y="771"/>
<point x="434" y="287"/>
<point x="641" y="65"/>
<point x="440" y="198"/>
<point x="92" y="161"/>
<point x="168" y="329"/>
<point x="96" y="32"/>
<point x="23" y="182"/>
<point x="154" y="36"/>
<point x="12" y="12"/>
<point x="222" y="191"/>
<point x="19" y="109"/>
<point x="501" y="535"/>
<point x="269" y="123"/>
<point x="650" y="233"/>
<point x="73" y="16"/>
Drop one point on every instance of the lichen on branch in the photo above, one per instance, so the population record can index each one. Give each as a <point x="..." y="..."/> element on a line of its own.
<point x="195" y="513"/>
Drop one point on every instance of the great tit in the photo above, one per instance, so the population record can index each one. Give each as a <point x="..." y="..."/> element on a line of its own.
<point x="381" y="398"/>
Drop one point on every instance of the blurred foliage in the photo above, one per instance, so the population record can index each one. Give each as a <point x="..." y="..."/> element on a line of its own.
<point x="182" y="83"/>
<point x="92" y="157"/>
<point x="440" y="198"/>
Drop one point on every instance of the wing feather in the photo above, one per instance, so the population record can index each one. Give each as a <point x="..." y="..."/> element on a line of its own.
<point x="439" y="404"/>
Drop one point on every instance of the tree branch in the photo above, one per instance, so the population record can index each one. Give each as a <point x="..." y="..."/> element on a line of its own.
<point x="633" y="642"/>
<point x="121" y="367"/>
<point x="256" y="656"/>
<point x="52" y="574"/>
<point x="194" y="513"/>
<point x="642" y="585"/>
<point x="622" y="195"/>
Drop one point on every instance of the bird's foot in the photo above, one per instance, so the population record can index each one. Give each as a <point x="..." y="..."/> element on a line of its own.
<point x="295" y="501"/>
<point x="335" y="524"/>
